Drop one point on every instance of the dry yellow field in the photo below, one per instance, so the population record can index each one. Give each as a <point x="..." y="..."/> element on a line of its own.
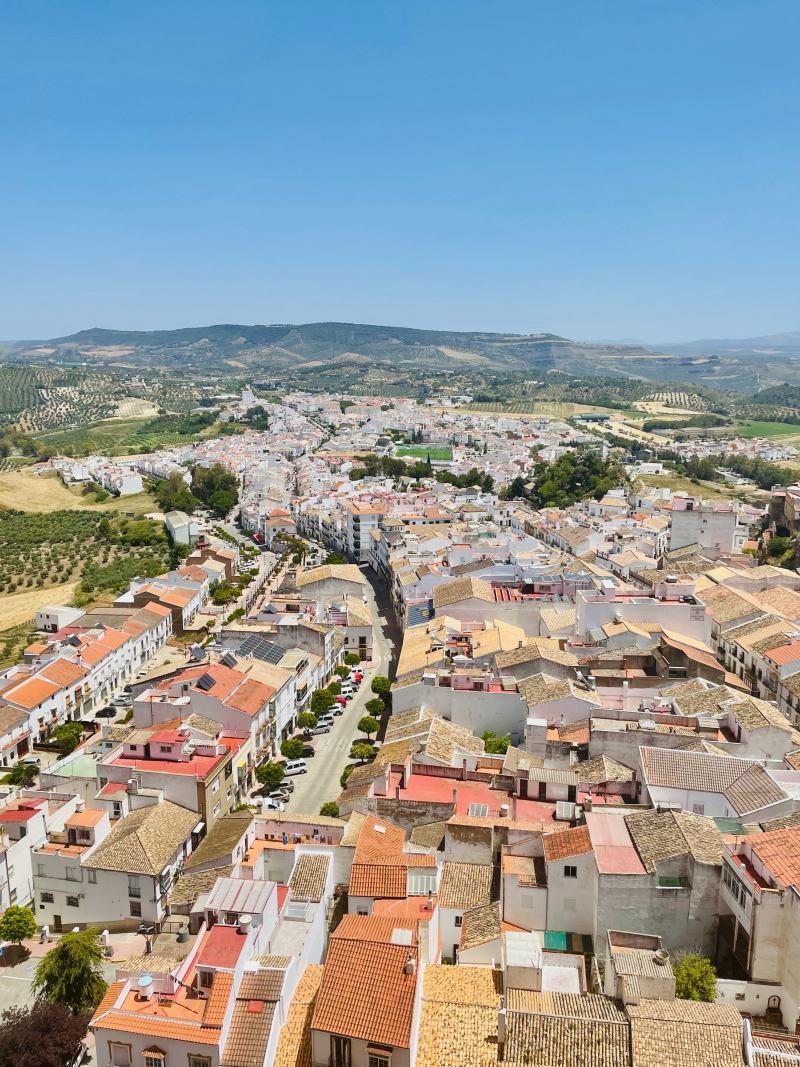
<point x="131" y="407"/>
<point x="27" y="490"/>
<point x="17" y="608"/>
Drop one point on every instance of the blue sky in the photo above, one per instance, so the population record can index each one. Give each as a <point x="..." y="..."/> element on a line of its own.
<point x="595" y="169"/>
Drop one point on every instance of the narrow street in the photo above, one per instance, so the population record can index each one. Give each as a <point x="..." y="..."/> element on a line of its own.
<point x="321" y="783"/>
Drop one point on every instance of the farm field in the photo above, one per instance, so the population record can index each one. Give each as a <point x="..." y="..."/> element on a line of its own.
<point x="61" y="555"/>
<point x="19" y="608"/>
<point x="556" y="409"/>
<point x="767" y="429"/>
<point x="439" y="452"/>
<point x="120" y="437"/>
<point x="27" y="490"/>
<point x="706" y="490"/>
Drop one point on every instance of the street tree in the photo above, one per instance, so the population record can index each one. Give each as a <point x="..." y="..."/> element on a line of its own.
<point x="292" y="748"/>
<point x="368" y="725"/>
<point x="361" y="751"/>
<point x="342" y="671"/>
<point x="17" y="924"/>
<point x="270" y="775"/>
<point x="375" y="707"/>
<point x="330" y="808"/>
<point x="352" y="659"/>
<point x="306" y="720"/>
<point x="322" y="700"/>
<point x="70" y="973"/>
<point x="381" y="685"/>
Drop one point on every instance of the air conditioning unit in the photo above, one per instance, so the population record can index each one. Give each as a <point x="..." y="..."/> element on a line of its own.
<point x="565" y="811"/>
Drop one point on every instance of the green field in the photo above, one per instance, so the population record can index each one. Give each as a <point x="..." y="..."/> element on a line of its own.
<point x="121" y="437"/>
<point x="767" y="429"/>
<point x="436" y="452"/>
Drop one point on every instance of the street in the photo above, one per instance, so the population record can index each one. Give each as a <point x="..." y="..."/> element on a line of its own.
<point x="321" y="783"/>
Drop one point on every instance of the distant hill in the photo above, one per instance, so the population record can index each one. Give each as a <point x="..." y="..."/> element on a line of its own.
<point x="303" y="351"/>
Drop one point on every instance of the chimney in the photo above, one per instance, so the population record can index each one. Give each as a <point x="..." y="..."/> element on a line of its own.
<point x="244" y="924"/>
<point x="410" y="965"/>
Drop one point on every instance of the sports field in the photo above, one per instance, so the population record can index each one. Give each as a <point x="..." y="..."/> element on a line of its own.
<point x="440" y="452"/>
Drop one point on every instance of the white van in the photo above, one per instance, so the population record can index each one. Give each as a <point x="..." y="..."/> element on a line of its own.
<point x="325" y="720"/>
<point x="295" y="766"/>
<point x="347" y="689"/>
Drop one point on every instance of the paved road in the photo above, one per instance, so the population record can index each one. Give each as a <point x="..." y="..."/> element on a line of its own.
<point x="321" y="783"/>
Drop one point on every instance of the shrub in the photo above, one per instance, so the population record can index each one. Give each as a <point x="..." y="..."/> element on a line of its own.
<point x="695" y="978"/>
<point x="330" y="808"/>
<point x="292" y="748"/>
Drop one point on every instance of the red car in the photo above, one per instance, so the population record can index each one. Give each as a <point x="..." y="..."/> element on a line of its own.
<point x="342" y="701"/>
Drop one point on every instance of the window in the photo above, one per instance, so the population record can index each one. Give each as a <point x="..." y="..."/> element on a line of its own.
<point x="379" y="1059"/>
<point x="40" y="870"/>
<point x="73" y="902"/>
<point x="119" y="1055"/>
<point x="199" y="1061"/>
<point x="153" y="1057"/>
<point x="215" y="786"/>
<point x="46" y="898"/>
<point x="134" y="889"/>
<point x="217" y="809"/>
<point x="136" y="908"/>
<point x="72" y="874"/>
<point x="459" y="919"/>
<point x="570" y="872"/>
<point x="91" y="877"/>
<point x="165" y="748"/>
<point x="206" y="979"/>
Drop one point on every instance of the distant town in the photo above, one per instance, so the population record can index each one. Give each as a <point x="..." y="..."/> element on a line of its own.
<point x="366" y="730"/>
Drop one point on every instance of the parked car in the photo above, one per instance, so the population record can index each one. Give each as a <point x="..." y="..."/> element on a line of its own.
<point x="31" y="761"/>
<point x="106" y="713"/>
<point x="268" y="804"/>
<point x="339" y="706"/>
<point x="122" y="701"/>
<point x="295" y="766"/>
<point x="322" y="728"/>
<point x="281" y="795"/>
<point x="325" y="720"/>
<point x="287" y="785"/>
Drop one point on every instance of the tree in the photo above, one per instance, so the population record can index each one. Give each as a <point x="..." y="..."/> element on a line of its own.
<point x="270" y="775"/>
<point x="216" y="486"/>
<point x="69" y="974"/>
<point x="306" y="720"/>
<point x="695" y="978"/>
<point x="330" y="808"/>
<point x="173" y="494"/>
<point x="292" y="748"/>
<point x="40" y="1035"/>
<point x="67" y="736"/>
<point x="361" y="751"/>
<point x="381" y="685"/>
<point x="368" y="724"/>
<point x="374" y="707"/>
<point x="335" y="687"/>
<point x="342" y="671"/>
<point x="17" y="924"/>
<point x="496" y="744"/>
<point x="24" y="774"/>
<point x="352" y="659"/>
<point x="322" y="700"/>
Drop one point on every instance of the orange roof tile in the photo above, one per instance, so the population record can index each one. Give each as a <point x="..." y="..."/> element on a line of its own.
<point x="32" y="692"/>
<point x="63" y="672"/>
<point x="366" y="993"/>
<point x="151" y="1026"/>
<point x="217" y="1005"/>
<point x="565" y="843"/>
<point x="779" y="851"/>
<point x="250" y="697"/>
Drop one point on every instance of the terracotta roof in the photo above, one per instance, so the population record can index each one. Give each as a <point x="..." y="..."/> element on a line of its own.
<point x="480" y="925"/>
<point x="251" y="1022"/>
<point x="563" y="844"/>
<point x="309" y="877"/>
<point x="366" y="993"/>
<point x="745" y="784"/>
<point x="146" y="840"/>
<point x="458" y="1023"/>
<point x="465" y="885"/>
<point x="663" y="835"/>
<point x="674" y="1033"/>
<point x="779" y="852"/>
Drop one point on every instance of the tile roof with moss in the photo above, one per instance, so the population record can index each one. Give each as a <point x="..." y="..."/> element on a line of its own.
<point x="145" y="841"/>
<point x="664" y="835"/>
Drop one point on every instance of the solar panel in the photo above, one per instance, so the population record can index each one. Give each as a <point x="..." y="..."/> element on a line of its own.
<point x="205" y="682"/>
<point x="229" y="659"/>
<point x="260" y="648"/>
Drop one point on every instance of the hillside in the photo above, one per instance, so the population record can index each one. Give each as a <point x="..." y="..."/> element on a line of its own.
<point x="330" y="348"/>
